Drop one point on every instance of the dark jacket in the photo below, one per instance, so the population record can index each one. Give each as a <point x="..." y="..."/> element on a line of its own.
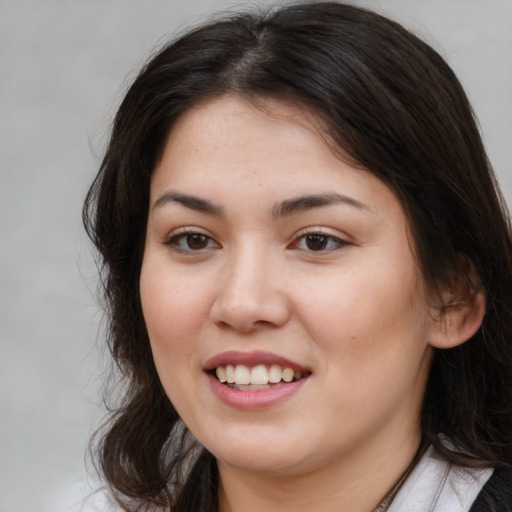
<point x="496" y="495"/>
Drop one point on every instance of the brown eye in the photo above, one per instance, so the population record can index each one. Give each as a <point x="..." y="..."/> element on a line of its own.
<point x="190" y="242"/>
<point x="316" y="242"/>
<point x="197" y="241"/>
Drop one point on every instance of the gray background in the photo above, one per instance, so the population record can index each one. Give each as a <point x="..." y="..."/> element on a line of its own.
<point x="63" y="68"/>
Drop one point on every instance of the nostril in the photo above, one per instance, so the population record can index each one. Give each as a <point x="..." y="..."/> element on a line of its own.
<point x="263" y="323"/>
<point x="268" y="311"/>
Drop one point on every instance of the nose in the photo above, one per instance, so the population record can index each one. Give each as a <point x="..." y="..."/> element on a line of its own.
<point x="250" y="295"/>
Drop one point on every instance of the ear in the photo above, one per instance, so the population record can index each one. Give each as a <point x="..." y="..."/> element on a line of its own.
<point x="456" y="321"/>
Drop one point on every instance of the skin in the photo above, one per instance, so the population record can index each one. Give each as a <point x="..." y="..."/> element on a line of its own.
<point x="354" y="313"/>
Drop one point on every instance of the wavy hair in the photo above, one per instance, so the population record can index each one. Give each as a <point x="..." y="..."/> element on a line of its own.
<point x="394" y="106"/>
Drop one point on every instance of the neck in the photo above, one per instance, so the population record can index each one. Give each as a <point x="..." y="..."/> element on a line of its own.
<point x="357" y="483"/>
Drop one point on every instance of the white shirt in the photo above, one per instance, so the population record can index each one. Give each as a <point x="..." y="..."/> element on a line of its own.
<point x="436" y="485"/>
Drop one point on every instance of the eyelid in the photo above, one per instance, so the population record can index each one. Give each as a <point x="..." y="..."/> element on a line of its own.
<point x="321" y="230"/>
<point x="185" y="230"/>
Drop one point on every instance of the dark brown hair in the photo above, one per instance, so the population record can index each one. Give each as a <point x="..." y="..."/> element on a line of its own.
<point x="390" y="103"/>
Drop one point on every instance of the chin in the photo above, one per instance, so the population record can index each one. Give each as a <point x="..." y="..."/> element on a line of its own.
<point x="261" y="463"/>
<point x="270" y="454"/>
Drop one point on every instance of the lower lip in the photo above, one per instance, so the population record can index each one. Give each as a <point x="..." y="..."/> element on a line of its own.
<point x="253" y="400"/>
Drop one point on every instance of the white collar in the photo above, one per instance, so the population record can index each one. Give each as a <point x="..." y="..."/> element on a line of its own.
<point x="436" y="485"/>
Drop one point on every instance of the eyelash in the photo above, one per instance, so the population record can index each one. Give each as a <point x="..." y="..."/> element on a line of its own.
<point x="175" y="240"/>
<point x="327" y="242"/>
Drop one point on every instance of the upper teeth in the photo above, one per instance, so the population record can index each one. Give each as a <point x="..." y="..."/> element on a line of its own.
<point x="258" y="375"/>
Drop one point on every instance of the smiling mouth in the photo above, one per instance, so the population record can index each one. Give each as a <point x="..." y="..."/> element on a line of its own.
<point x="258" y="377"/>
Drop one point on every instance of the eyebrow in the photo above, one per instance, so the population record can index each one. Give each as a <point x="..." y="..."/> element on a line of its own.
<point x="285" y="208"/>
<point x="193" y="202"/>
<point x="307" y="202"/>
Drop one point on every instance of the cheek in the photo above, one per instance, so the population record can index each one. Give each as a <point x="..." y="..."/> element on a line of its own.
<point x="371" y="330"/>
<point x="365" y="312"/>
<point x="172" y="312"/>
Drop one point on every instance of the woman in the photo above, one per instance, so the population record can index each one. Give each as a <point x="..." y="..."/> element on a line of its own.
<point x="307" y="272"/>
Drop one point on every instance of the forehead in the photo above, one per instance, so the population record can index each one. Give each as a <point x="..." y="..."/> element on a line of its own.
<point x="233" y="132"/>
<point x="253" y="122"/>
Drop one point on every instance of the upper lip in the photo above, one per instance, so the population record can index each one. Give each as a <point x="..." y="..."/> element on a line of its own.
<point x="251" y="359"/>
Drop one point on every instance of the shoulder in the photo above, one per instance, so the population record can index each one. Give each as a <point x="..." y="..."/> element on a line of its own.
<point x="99" y="500"/>
<point x="102" y="500"/>
<point x="436" y="485"/>
<point x="496" y="495"/>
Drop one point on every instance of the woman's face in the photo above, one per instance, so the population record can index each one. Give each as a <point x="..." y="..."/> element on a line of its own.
<point x="272" y="264"/>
